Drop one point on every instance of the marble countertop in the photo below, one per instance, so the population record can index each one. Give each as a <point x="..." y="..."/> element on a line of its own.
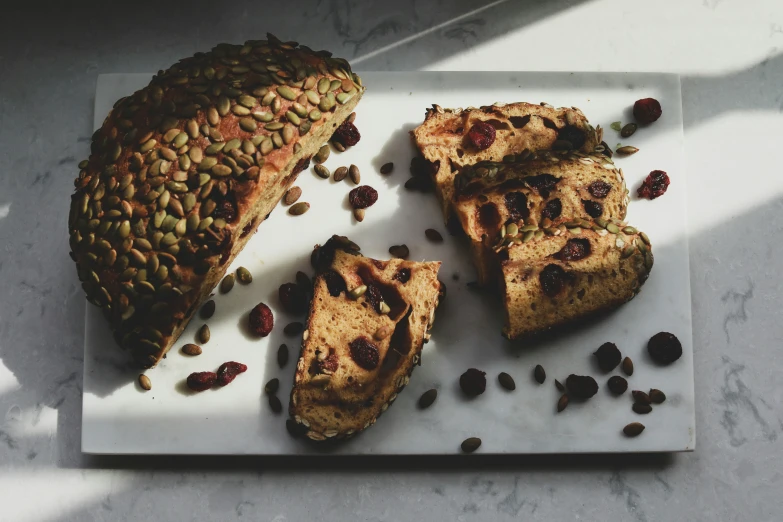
<point x="730" y="56"/>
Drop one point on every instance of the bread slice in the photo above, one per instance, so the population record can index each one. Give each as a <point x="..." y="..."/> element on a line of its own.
<point x="183" y="171"/>
<point x="442" y="138"/>
<point x="569" y="272"/>
<point x="536" y="190"/>
<point x="368" y="321"/>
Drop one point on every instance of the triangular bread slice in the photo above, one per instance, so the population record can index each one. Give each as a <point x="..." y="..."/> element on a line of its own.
<point x="569" y="272"/>
<point x="368" y="321"/>
<point x="442" y="138"/>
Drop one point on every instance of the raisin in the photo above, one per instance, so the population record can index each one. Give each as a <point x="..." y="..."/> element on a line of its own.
<point x="572" y="134"/>
<point x="300" y="166"/>
<point x="599" y="189"/>
<point x="363" y="197"/>
<point x="293" y="297"/>
<point x="593" y="208"/>
<point x="516" y="203"/>
<point x="664" y="348"/>
<point x="552" y="209"/>
<point x="374" y="297"/>
<point x="226" y="210"/>
<point x="581" y="386"/>
<point x="228" y="372"/>
<point x="261" y="320"/>
<point x="473" y="382"/>
<point x="552" y="278"/>
<point x="420" y="167"/>
<point x="330" y="363"/>
<point x="200" y="381"/>
<point x="543" y="183"/>
<point x="617" y="385"/>
<point x="364" y="353"/>
<point x="334" y="283"/>
<point x="608" y="356"/>
<point x="488" y="216"/>
<point x="654" y="185"/>
<point x="403" y="275"/>
<point x="481" y="135"/>
<point x="574" y="250"/>
<point x="347" y="134"/>
<point x="647" y="110"/>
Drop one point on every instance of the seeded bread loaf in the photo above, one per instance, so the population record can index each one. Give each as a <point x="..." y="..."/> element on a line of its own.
<point x="368" y="321"/>
<point x="570" y="272"/>
<point x="442" y="138"/>
<point x="521" y="194"/>
<point x="183" y="171"/>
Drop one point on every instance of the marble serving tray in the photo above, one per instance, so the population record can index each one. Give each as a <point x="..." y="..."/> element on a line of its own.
<point x="120" y="418"/>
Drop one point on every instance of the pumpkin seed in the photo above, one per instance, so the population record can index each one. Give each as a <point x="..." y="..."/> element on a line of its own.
<point x="294" y="328"/>
<point x="145" y="382"/>
<point x="616" y="125"/>
<point x="614" y="229"/>
<point x="627" y="131"/>
<point x="354" y="174"/>
<point x="227" y="284"/>
<point x="562" y="403"/>
<point x="272" y="386"/>
<point x="314" y="115"/>
<point x="433" y="235"/>
<point x="287" y="135"/>
<point x="292" y="195"/>
<point x="559" y="386"/>
<point x="191" y="349"/>
<point x="627" y="366"/>
<point x="322" y="155"/>
<point x="340" y="173"/>
<point x="427" y="398"/>
<point x="539" y="374"/>
<point x="358" y="214"/>
<point x="507" y="381"/>
<point x="339" y="147"/>
<point x="299" y="208"/>
<point x="322" y="171"/>
<point x="470" y="444"/>
<point x="275" y="403"/>
<point x="248" y="124"/>
<point x="627" y="150"/>
<point x="203" y="334"/>
<point x="641" y="409"/>
<point x="657" y="396"/>
<point x="207" y="310"/>
<point x="387" y="168"/>
<point x="400" y="251"/>
<point x="286" y="92"/>
<point x="282" y="355"/>
<point x="641" y="397"/>
<point x="633" y="429"/>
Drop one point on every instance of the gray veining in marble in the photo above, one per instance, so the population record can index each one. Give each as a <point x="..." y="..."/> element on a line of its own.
<point x="731" y="58"/>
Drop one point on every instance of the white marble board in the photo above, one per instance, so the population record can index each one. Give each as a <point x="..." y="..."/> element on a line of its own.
<point x="119" y="418"/>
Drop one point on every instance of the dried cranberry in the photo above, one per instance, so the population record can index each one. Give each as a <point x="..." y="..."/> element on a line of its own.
<point x="363" y="197"/>
<point x="516" y="203"/>
<point x="608" y="356"/>
<point x="261" y="320"/>
<point x="293" y="297"/>
<point x="473" y="382"/>
<point x="403" y="275"/>
<point x="364" y="353"/>
<point x="664" y="348"/>
<point x="226" y="209"/>
<point x="228" y="372"/>
<point x="200" y="381"/>
<point x="654" y="185"/>
<point x="647" y="110"/>
<point x="334" y="283"/>
<point x="481" y="135"/>
<point x="593" y="208"/>
<point x="347" y="134"/>
<point x="552" y="209"/>
<point x="373" y="296"/>
<point x="599" y="189"/>
<point x="552" y="278"/>
<point x="543" y="183"/>
<point x="574" y="250"/>
<point x="581" y="386"/>
<point x="572" y="134"/>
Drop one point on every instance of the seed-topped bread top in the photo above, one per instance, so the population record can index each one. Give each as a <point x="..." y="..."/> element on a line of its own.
<point x="368" y="321"/>
<point x="182" y="172"/>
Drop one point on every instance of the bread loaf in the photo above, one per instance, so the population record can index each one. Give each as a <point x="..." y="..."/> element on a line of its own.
<point x="183" y="171"/>
<point x="367" y="324"/>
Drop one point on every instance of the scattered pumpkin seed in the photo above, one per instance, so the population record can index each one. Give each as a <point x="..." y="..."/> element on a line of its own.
<point x="400" y="251"/>
<point x="282" y="356"/>
<point x="145" y="382"/>
<point x="633" y="429"/>
<point x="272" y="386"/>
<point x="627" y="131"/>
<point x="339" y="147"/>
<point x="191" y="349"/>
<point x="559" y="386"/>
<point x="354" y="174"/>
<point x="299" y="208"/>
<point x="358" y="214"/>
<point x="627" y="366"/>
<point x="322" y="171"/>
<point x="641" y="409"/>
<point x="275" y="403"/>
<point x="470" y="444"/>
<point x="433" y="235"/>
<point x="203" y="334"/>
<point x="292" y="195"/>
<point x="340" y="173"/>
<point x="627" y="150"/>
<point x="539" y="374"/>
<point x="427" y="398"/>
<point x="657" y="396"/>
<point x="227" y="284"/>
<point x="507" y="381"/>
<point x="387" y="168"/>
<point x="616" y="125"/>
<point x="244" y="276"/>
<point x="322" y="154"/>
<point x="562" y="403"/>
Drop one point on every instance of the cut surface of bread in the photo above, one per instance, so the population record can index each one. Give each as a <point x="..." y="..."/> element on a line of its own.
<point x="367" y="324"/>
<point x="183" y="171"/>
<point x="571" y="272"/>
<point x="442" y="138"/>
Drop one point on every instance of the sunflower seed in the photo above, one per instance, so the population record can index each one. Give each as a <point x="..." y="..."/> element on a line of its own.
<point x="433" y="235"/>
<point x="340" y="173"/>
<point x="539" y="374"/>
<point x="322" y="154"/>
<point x="203" y="334"/>
<point x="627" y="366"/>
<point x="427" y="398"/>
<point x="191" y="349"/>
<point x="657" y="396"/>
<point x="471" y="444"/>
<point x="358" y="214"/>
<point x="387" y="168"/>
<point x="354" y="174"/>
<point x="275" y="404"/>
<point x="272" y="386"/>
<point x="293" y="328"/>
<point x="641" y="409"/>
<point x="627" y="131"/>
<point x="145" y="382"/>
<point x="400" y="251"/>
<point x="299" y="208"/>
<point x="244" y="276"/>
<point x="506" y="381"/>
<point x="562" y="403"/>
<point x="322" y="171"/>
<point x="633" y="429"/>
<point x="227" y="284"/>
